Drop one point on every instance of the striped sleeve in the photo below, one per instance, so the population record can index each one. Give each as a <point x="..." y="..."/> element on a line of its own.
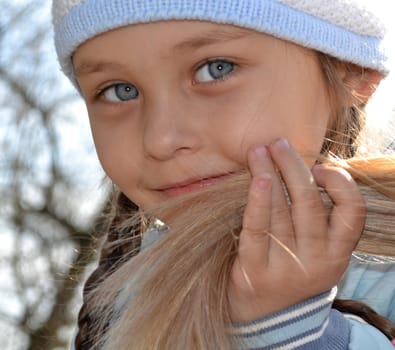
<point x="311" y="324"/>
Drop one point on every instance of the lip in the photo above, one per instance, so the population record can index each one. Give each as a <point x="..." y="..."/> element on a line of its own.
<point x="192" y="185"/>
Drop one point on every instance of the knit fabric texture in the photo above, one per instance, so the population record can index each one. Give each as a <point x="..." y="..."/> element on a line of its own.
<point x="349" y="30"/>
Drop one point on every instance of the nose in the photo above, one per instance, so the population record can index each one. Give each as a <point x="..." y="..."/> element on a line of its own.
<point x="170" y="129"/>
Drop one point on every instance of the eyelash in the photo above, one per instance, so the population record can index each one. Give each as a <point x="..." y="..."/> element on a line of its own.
<point x="115" y="86"/>
<point x="215" y="60"/>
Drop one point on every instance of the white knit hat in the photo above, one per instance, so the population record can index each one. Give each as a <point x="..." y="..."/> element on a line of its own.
<point x="350" y="30"/>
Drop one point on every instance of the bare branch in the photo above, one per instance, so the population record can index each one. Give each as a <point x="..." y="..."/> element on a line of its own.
<point x="36" y="193"/>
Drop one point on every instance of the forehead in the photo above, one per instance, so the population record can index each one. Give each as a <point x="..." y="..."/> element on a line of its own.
<point x="166" y="38"/>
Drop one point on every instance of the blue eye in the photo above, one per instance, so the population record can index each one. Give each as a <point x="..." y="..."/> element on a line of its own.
<point x="214" y="70"/>
<point x="121" y="92"/>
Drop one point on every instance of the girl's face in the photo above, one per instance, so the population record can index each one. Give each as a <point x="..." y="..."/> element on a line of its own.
<point x="174" y="106"/>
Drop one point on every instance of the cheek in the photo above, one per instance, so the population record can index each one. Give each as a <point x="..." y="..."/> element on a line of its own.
<point x="116" y="147"/>
<point x="301" y="118"/>
<point x="121" y="166"/>
<point x="240" y="120"/>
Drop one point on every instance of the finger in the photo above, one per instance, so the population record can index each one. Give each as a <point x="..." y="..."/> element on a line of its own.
<point x="308" y="212"/>
<point x="281" y="224"/>
<point x="348" y="214"/>
<point x="254" y="241"/>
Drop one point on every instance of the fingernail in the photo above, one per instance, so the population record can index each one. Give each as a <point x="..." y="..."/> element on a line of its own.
<point x="260" y="151"/>
<point x="283" y="143"/>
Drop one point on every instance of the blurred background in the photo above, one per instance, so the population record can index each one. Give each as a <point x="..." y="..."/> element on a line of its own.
<point x="51" y="186"/>
<point x="52" y="189"/>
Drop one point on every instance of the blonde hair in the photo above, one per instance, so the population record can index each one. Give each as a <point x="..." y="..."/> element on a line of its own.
<point x="173" y="294"/>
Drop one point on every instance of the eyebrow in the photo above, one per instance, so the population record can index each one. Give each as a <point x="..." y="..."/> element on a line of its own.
<point x="208" y="38"/>
<point x="212" y="37"/>
<point x="89" y="67"/>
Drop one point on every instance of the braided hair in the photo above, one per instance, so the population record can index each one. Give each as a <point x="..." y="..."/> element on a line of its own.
<point x="113" y="252"/>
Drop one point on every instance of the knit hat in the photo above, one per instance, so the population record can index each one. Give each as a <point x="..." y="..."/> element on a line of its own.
<point x="347" y="29"/>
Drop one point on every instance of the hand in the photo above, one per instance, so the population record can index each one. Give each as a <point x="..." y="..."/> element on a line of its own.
<point x="289" y="253"/>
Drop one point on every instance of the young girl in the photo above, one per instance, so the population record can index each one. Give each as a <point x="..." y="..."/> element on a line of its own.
<point x="223" y="119"/>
